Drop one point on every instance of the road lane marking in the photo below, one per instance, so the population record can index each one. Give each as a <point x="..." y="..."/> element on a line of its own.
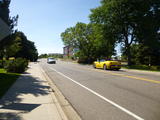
<point x="102" y="97"/>
<point x="129" y="76"/>
<point x="123" y="75"/>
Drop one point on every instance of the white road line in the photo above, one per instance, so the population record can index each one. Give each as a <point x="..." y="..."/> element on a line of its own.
<point x="102" y="97"/>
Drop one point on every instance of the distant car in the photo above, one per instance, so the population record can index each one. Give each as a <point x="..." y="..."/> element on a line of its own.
<point x="107" y="64"/>
<point x="51" y="60"/>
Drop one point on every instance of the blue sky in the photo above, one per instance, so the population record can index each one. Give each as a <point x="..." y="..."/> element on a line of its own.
<point x="43" y="21"/>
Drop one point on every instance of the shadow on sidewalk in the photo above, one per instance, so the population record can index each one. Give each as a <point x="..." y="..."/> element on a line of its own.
<point x="9" y="116"/>
<point x="25" y="85"/>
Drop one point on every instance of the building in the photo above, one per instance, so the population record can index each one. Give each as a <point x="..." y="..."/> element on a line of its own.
<point x="4" y="17"/>
<point x="69" y="51"/>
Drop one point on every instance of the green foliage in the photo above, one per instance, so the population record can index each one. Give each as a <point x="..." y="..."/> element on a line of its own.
<point x="12" y="47"/>
<point x="130" y="21"/>
<point x="142" y="54"/>
<point x="134" y="24"/>
<point x="26" y="48"/>
<point x="82" y="58"/>
<point x="90" y="41"/>
<point x="1" y="64"/>
<point x="43" y="56"/>
<point x="16" y="44"/>
<point x="18" y="65"/>
<point x="51" y="55"/>
<point x="20" y="46"/>
<point x="118" y="20"/>
<point x="2" y="71"/>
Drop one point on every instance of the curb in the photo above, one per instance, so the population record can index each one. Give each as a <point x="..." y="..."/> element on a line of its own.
<point x="65" y="109"/>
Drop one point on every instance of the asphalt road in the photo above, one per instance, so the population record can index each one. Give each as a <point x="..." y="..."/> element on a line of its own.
<point x="107" y="95"/>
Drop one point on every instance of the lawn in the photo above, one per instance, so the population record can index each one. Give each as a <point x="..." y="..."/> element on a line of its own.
<point x="6" y="81"/>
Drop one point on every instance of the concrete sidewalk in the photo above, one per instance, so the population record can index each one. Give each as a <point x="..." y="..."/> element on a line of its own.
<point x="31" y="98"/>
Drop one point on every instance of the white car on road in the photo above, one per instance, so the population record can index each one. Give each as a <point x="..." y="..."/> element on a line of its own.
<point x="51" y="60"/>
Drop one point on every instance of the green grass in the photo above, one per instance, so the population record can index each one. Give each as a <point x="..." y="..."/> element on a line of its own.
<point x="143" y="67"/>
<point x="2" y="71"/>
<point x="6" y="81"/>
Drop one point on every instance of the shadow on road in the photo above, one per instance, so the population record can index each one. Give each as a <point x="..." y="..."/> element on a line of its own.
<point x="25" y="85"/>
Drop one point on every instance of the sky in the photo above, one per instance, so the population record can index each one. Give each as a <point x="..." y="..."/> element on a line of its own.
<point x="42" y="21"/>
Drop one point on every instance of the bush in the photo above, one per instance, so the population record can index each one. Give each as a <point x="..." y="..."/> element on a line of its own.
<point x="144" y="67"/>
<point x="1" y="64"/>
<point x="155" y="68"/>
<point x="82" y="60"/>
<point x="18" y="65"/>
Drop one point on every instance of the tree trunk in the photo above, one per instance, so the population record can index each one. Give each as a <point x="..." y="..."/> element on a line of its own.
<point x="127" y="46"/>
<point x="129" y="56"/>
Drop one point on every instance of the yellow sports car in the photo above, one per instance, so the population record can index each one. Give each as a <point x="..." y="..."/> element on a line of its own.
<point x="107" y="64"/>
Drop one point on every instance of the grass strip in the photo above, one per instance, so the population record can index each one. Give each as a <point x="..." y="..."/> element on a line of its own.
<point x="6" y="81"/>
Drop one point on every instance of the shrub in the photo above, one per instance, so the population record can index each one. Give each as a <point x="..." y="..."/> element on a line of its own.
<point x="1" y="64"/>
<point x="144" y="67"/>
<point x="155" y="68"/>
<point x="18" y="65"/>
<point x="82" y="60"/>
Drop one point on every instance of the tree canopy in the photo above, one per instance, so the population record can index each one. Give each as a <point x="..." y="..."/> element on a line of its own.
<point x="21" y="47"/>
<point x="130" y="21"/>
<point x="90" y="41"/>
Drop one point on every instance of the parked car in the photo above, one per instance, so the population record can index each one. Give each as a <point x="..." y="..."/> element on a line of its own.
<point x="51" y="60"/>
<point x="107" y="64"/>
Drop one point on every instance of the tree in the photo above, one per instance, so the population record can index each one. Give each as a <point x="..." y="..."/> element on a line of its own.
<point x="13" y="46"/>
<point x="27" y="48"/>
<point x="80" y="37"/>
<point x="144" y="55"/>
<point x="20" y="46"/>
<point x="68" y="37"/>
<point x="129" y="21"/>
<point x="90" y="41"/>
<point x="114" y="15"/>
<point x="148" y="32"/>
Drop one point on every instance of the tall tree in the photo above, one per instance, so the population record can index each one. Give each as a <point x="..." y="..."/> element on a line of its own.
<point x="20" y="46"/>
<point x="114" y="15"/>
<point x="129" y="21"/>
<point x="27" y="49"/>
<point x="90" y="41"/>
